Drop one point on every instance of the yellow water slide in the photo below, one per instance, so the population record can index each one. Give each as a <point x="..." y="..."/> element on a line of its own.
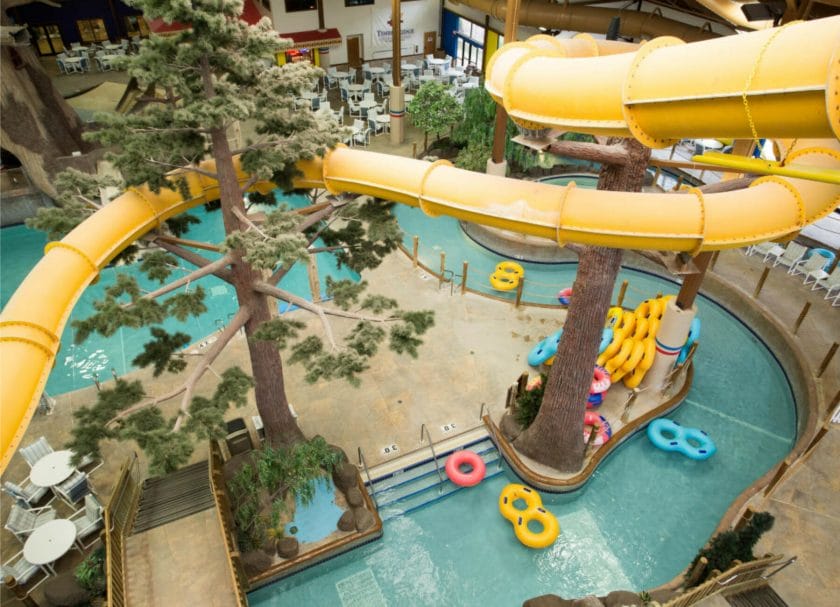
<point x="591" y="91"/>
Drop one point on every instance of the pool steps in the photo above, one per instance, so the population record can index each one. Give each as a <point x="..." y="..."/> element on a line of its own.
<point x="417" y="485"/>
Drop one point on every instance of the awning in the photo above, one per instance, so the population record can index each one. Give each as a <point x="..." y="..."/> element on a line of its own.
<point x="314" y="38"/>
<point x="250" y="15"/>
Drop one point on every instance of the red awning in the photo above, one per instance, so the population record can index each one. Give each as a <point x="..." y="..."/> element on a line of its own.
<point x="314" y="38"/>
<point x="250" y="15"/>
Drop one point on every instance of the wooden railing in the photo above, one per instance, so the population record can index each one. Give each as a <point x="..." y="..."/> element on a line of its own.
<point x="225" y="516"/>
<point x="742" y="576"/>
<point x="118" y="518"/>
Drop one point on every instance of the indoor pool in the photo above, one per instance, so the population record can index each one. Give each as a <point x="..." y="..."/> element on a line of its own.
<point x="77" y="366"/>
<point x="636" y="524"/>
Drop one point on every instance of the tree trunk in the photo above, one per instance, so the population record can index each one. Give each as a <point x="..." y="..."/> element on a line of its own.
<point x="266" y="366"/>
<point x="555" y="438"/>
<point x="38" y="126"/>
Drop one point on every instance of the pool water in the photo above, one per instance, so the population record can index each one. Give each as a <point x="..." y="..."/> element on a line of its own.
<point x="77" y="366"/>
<point x="317" y="519"/>
<point x="637" y="523"/>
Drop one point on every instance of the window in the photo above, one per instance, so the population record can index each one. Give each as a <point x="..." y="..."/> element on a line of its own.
<point x="47" y="38"/>
<point x="92" y="30"/>
<point x="295" y="6"/>
<point x="135" y="25"/>
<point x="357" y="2"/>
<point x="470" y="43"/>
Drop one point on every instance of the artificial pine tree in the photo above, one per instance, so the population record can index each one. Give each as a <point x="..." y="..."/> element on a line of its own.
<point x="217" y="72"/>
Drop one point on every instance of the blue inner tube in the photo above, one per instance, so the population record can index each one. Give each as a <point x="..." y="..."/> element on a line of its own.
<point x="606" y="338"/>
<point x="545" y="349"/>
<point x="668" y="435"/>
<point x="693" y="335"/>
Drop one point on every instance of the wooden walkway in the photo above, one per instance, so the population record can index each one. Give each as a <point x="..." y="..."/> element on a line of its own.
<point x="180" y="563"/>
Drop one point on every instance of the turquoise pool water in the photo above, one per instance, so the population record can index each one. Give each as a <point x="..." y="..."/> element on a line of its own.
<point x="635" y="525"/>
<point x="319" y="518"/>
<point x="76" y="366"/>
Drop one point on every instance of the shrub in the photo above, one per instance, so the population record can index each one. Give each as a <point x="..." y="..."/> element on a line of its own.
<point x="90" y="573"/>
<point x="528" y="403"/>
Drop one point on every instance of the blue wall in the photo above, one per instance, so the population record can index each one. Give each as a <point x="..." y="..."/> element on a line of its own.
<point x="72" y="10"/>
<point x="448" y="37"/>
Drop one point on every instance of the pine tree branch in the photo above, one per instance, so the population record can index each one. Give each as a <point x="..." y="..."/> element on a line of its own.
<point x="319" y="311"/>
<point x="184" y="167"/>
<point x="240" y="214"/>
<point x="210" y="268"/>
<point x="277" y="293"/>
<point x="193" y="258"/>
<point x="187" y="243"/>
<point x="188" y="386"/>
<point x="184" y="129"/>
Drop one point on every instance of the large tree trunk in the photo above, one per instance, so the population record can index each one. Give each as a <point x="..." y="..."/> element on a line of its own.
<point x="38" y="126"/>
<point x="555" y="438"/>
<point x="266" y="366"/>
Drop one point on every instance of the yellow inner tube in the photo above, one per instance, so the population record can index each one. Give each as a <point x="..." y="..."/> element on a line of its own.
<point x="507" y="275"/>
<point x="533" y="511"/>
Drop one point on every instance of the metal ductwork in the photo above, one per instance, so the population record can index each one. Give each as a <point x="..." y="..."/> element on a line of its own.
<point x="577" y="18"/>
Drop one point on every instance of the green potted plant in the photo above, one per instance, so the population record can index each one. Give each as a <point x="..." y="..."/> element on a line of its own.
<point x="90" y="573"/>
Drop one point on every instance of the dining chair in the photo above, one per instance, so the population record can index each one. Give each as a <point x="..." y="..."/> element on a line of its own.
<point x="73" y="489"/>
<point x="35" y="451"/>
<point x="87" y="519"/>
<point x="21" y="570"/>
<point x="26" y="491"/>
<point x="23" y="521"/>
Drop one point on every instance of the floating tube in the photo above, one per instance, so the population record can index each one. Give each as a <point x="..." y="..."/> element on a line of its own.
<point x="545" y="349"/>
<point x="693" y="335"/>
<point x="668" y="435"/>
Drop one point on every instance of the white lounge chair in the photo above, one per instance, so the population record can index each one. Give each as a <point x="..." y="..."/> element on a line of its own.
<point x="829" y="282"/>
<point x="761" y="248"/>
<point x="787" y="256"/>
<point x="807" y="266"/>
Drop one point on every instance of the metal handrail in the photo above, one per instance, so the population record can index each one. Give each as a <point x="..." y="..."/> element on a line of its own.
<point x="785" y="564"/>
<point x="363" y="463"/>
<point x="423" y="429"/>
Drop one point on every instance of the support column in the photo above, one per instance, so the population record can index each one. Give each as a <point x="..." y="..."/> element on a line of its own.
<point x="396" y="109"/>
<point x="670" y="338"/>
<point x="497" y="157"/>
<point x="396" y="104"/>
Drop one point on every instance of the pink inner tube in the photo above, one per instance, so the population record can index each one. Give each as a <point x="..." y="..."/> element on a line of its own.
<point x="465" y="479"/>
<point x="565" y="296"/>
<point x="600" y="381"/>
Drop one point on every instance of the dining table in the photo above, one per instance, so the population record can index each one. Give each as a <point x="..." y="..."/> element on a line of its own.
<point x="49" y="542"/>
<point x="52" y="469"/>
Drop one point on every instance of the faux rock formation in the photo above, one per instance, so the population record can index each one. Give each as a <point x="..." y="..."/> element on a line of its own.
<point x="364" y="519"/>
<point x="65" y="591"/>
<point x="347" y="522"/>
<point x="548" y="600"/>
<point x="288" y="547"/>
<point x="255" y="562"/>
<point x="354" y="497"/>
<point x="344" y="476"/>
<point x="622" y="598"/>
<point x="510" y="428"/>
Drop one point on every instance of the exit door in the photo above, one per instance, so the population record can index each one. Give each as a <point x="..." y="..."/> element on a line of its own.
<point x="429" y="43"/>
<point x="354" y="51"/>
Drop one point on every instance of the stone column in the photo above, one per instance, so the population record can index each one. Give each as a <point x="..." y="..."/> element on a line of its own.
<point x="673" y="331"/>
<point x="496" y="168"/>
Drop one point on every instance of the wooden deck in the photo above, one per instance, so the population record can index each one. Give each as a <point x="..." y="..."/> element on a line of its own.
<point x="181" y="563"/>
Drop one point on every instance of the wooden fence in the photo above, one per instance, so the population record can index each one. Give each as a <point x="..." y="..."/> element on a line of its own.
<point x="740" y="577"/>
<point x="225" y="516"/>
<point x="118" y="518"/>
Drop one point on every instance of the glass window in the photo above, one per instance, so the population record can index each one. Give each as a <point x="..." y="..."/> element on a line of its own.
<point x="357" y="2"/>
<point x="47" y="38"/>
<point x="464" y="27"/>
<point x="294" y="6"/>
<point x="92" y="30"/>
<point x="477" y="33"/>
<point x="135" y="25"/>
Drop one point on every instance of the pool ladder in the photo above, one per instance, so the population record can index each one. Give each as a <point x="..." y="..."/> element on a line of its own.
<point x="425" y="430"/>
<point x="364" y="465"/>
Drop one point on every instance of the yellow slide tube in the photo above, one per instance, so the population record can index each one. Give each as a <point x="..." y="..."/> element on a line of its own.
<point x="669" y="90"/>
<point x="773" y="207"/>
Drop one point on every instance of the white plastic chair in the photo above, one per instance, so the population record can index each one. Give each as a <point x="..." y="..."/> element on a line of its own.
<point x="22" y="571"/>
<point x="824" y="280"/>
<point x="23" y="521"/>
<point x="73" y="489"/>
<point x="87" y="519"/>
<point x="788" y="256"/>
<point x="761" y="248"/>
<point x="26" y="491"/>
<point x="35" y="451"/>
<point x="807" y="266"/>
<point x="361" y="134"/>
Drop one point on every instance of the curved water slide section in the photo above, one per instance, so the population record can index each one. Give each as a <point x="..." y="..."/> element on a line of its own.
<point x="578" y="18"/>
<point x="35" y="316"/>
<point x="779" y="83"/>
